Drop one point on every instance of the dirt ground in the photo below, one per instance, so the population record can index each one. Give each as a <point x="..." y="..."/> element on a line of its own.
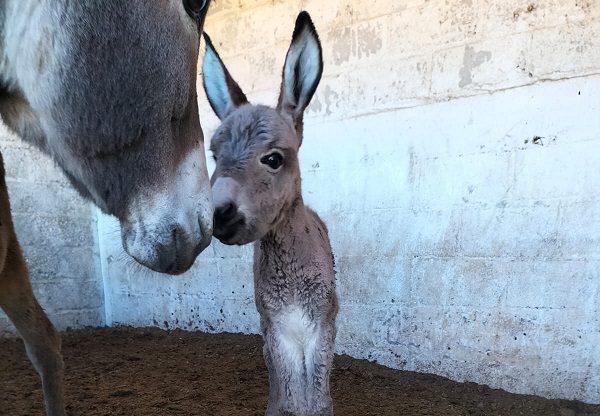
<point x="146" y="372"/>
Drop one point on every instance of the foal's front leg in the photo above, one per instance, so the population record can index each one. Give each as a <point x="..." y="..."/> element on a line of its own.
<point x="272" y="405"/>
<point x="319" y="359"/>
<point x="287" y="393"/>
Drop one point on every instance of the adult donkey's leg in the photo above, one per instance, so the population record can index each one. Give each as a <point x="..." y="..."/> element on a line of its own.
<point x="42" y="342"/>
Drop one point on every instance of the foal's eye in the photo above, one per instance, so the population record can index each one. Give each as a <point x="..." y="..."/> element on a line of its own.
<point x="273" y="160"/>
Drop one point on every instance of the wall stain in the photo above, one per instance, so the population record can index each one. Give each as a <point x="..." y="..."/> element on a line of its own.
<point x="315" y="106"/>
<point x="359" y="43"/>
<point x="330" y="97"/>
<point x="412" y="165"/>
<point x="471" y="60"/>
<point x="530" y="9"/>
<point x="342" y="45"/>
<point x="368" y="42"/>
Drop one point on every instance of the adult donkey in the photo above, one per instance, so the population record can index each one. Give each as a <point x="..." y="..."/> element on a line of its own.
<point x="108" y="90"/>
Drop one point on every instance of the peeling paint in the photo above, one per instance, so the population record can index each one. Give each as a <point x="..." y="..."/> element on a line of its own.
<point x="368" y="41"/>
<point x="359" y="43"/>
<point x="342" y="45"/>
<point x="330" y="97"/>
<point x="471" y="60"/>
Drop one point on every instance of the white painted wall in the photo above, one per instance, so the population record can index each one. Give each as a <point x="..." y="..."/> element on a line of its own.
<point x="461" y="250"/>
<point x="57" y="231"/>
<point x="464" y="247"/>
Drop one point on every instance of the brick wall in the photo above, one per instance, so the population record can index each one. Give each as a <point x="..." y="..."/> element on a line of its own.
<point x="56" y="229"/>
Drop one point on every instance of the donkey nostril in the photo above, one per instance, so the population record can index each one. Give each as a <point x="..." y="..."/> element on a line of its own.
<point x="229" y="210"/>
<point x="225" y="213"/>
<point x="177" y="233"/>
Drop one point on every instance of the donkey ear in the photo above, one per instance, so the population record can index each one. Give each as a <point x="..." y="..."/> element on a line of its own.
<point x="224" y="94"/>
<point x="302" y="70"/>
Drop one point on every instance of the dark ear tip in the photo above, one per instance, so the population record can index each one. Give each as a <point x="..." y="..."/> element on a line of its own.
<point x="207" y="40"/>
<point x="303" y="21"/>
<point x="303" y="17"/>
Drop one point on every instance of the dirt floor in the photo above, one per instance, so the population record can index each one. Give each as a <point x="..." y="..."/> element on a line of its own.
<point x="132" y="372"/>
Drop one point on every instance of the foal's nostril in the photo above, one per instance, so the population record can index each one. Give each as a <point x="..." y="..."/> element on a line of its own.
<point x="225" y="213"/>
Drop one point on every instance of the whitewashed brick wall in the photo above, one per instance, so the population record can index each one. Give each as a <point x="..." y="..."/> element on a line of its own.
<point x="57" y="231"/>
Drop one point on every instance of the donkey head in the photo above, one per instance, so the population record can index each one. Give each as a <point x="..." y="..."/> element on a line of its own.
<point x="108" y="89"/>
<point x="257" y="177"/>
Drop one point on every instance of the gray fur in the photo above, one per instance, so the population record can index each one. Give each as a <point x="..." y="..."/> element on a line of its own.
<point x="107" y="89"/>
<point x="294" y="274"/>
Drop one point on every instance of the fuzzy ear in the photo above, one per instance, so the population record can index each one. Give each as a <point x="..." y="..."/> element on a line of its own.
<point x="224" y="94"/>
<point x="302" y="70"/>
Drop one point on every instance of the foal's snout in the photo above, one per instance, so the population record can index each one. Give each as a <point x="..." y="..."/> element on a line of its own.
<point x="228" y="219"/>
<point x="226" y="212"/>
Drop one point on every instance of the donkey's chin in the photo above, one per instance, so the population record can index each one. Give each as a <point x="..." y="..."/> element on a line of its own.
<point x="167" y="262"/>
<point x="175" y="257"/>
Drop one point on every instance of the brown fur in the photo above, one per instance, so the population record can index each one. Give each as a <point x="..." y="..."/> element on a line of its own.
<point x="108" y="91"/>
<point x="42" y="342"/>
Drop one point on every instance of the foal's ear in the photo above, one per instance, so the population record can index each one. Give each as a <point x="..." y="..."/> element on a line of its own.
<point x="302" y="70"/>
<point x="224" y="94"/>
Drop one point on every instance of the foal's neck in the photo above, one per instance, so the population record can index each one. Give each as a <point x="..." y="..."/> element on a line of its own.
<point x="289" y="231"/>
<point x="292" y="218"/>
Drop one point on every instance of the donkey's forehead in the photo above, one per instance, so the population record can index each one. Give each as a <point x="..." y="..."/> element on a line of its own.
<point x="252" y="128"/>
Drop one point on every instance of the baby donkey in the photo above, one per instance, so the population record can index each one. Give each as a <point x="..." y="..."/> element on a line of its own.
<point x="257" y="197"/>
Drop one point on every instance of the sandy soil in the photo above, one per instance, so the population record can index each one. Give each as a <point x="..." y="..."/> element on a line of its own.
<point x="146" y="372"/>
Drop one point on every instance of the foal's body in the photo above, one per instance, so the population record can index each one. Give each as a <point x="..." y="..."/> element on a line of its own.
<point x="294" y="283"/>
<point x="257" y="194"/>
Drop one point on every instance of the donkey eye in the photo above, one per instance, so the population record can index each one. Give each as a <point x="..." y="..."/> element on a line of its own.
<point x="273" y="160"/>
<point x="194" y="7"/>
